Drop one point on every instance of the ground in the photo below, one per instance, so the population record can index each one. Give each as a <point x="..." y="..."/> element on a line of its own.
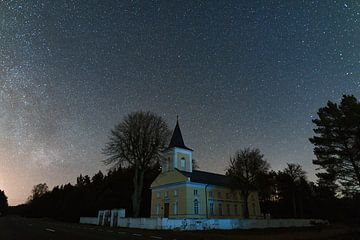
<point x="14" y="228"/>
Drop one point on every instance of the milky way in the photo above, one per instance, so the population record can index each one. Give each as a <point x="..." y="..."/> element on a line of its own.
<point x="239" y="74"/>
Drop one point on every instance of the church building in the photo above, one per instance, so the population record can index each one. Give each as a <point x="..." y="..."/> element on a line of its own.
<point x="181" y="192"/>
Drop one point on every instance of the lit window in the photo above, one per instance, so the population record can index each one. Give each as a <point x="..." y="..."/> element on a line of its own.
<point x="195" y="192"/>
<point x="196" y="206"/>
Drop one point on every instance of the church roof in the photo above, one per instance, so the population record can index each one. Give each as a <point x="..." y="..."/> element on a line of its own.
<point x="208" y="178"/>
<point x="177" y="139"/>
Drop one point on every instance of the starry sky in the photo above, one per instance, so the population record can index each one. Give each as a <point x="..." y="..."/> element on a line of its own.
<point x="238" y="73"/>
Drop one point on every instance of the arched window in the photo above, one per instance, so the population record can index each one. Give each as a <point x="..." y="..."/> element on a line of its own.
<point x="196" y="206"/>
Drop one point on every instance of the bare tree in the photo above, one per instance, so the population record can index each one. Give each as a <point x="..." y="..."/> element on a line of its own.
<point x="296" y="174"/>
<point x="245" y="168"/>
<point x="137" y="142"/>
<point x="195" y="164"/>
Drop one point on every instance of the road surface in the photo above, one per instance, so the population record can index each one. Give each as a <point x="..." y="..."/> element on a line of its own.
<point x="18" y="228"/>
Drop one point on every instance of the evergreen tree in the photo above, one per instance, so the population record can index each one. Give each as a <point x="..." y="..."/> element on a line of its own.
<point x="3" y="203"/>
<point x="337" y="144"/>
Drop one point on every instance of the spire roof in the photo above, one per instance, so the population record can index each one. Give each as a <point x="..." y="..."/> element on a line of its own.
<point x="177" y="139"/>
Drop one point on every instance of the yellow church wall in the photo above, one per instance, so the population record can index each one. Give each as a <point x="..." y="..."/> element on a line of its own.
<point x="228" y="198"/>
<point x="159" y="197"/>
<point x="191" y="196"/>
<point x="168" y="178"/>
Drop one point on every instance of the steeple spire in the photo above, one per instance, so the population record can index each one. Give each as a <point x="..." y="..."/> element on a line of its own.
<point x="177" y="139"/>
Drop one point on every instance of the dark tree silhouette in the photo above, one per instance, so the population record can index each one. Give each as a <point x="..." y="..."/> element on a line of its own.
<point x="137" y="143"/>
<point x="38" y="191"/>
<point x="337" y="144"/>
<point x="296" y="175"/>
<point x="195" y="164"/>
<point x="3" y="203"/>
<point x="245" y="168"/>
<point x="69" y="202"/>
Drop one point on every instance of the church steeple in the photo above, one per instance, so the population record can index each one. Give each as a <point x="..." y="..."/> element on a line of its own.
<point x="176" y="138"/>
<point x="177" y="155"/>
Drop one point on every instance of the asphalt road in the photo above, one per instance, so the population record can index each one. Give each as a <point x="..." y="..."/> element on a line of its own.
<point x="18" y="228"/>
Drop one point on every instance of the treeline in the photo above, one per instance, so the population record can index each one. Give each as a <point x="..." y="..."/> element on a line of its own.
<point x="69" y="202"/>
<point x="281" y="196"/>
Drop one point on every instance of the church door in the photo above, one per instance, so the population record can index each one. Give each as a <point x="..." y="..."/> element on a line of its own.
<point x="166" y="210"/>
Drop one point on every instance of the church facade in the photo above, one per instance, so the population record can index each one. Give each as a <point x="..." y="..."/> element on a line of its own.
<point x="181" y="192"/>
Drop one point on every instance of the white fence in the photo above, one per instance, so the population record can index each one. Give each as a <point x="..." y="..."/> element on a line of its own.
<point x="212" y="224"/>
<point x="116" y="218"/>
<point x="201" y="224"/>
<point x="105" y="218"/>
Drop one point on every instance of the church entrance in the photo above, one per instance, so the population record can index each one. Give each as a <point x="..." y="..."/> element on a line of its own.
<point x="166" y="210"/>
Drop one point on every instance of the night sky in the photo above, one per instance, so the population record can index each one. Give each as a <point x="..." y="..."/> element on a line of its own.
<point x="238" y="74"/>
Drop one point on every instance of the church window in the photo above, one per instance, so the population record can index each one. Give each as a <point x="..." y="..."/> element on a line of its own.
<point x="158" y="209"/>
<point x="166" y="166"/>
<point x="175" y="208"/>
<point x="211" y="208"/>
<point x="220" y="209"/>
<point x="183" y="163"/>
<point x="196" y="206"/>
